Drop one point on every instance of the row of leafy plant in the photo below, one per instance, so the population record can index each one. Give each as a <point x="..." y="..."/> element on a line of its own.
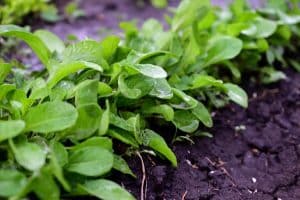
<point x="58" y="125"/>
<point x="13" y="11"/>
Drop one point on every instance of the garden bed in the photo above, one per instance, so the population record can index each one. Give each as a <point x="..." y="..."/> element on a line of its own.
<point x="254" y="152"/>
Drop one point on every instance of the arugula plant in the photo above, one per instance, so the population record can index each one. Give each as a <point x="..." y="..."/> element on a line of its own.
<point x="57" y="123"/>
<point x="62" y="122"/>
<point x="57" y="126"/>
<point x="257" y="40"/>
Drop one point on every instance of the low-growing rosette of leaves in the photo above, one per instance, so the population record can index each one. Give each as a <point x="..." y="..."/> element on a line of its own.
<point x="57" y="126"/>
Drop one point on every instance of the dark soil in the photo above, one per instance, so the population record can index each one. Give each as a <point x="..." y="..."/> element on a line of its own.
<point x="261" y="162"/>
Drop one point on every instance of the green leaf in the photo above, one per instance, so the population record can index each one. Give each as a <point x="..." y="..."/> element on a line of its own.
<point x="29" y="155"/>
<point x="86" y="93"/>
<point x="96" y="141"/>
<point x="50" y="117"/>
<point x="120" y="123"/>
<point x="121" y="165"/>
<point x="88" y="120"/>
<point x="39" y="89"/>
<point x="203" y="115"/>
<point x="165" y="110"/>
<point x="190" y="101"/>
<point x="87" y="51"/>
<point x="237" y="94"/>
<point x="261" y="28"/>
<point x="60" y="153"/>
<point x="186" y="13"/>
<point x="104" y="89"/>
<point x="5" y="89"/>
<point x="106" y="190"/>
<point x="59" y="158"/>
<point x="62" y="70"/>
<point x="5" y="69"/>
<point x="11" y="182"/>
<point x="90" y="161"/>
<point x="135" y="122"/>
<point x="157" y="143"/>
<point x="20" y="102"/>
<point x="124" y="136"/>
<point x="270" y="75"/>
<point x="110" y="45"/>
<point x="222" y="48"/>
<point x="32" y="40"/>
<point x="185" y="121"/>
<point x="206" y="81"/>
<point x="63" y="90"/>
<point x="53" y="43"/>
<point x="10" y="129"/>
<point x="137" y="57"/>
<point x="134" y="87"/>
<point x="161" y="89"/>
<point x="149" y="70"/>
<point x="45" y="187"/>
<point x="130" y="93"/>
<point x="286" y="19"/>
<point x="104" y="122"/>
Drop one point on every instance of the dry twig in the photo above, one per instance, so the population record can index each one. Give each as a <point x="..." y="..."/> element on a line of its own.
<point x="143" y="195"/>
<point x="184" y="195"/>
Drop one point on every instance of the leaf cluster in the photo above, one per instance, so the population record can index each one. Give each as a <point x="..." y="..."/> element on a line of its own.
<point x="13" y="11"/>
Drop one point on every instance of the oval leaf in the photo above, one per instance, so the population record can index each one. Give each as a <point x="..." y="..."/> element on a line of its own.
<point x="11" y="182"/>
<point x="203" y="115"/>
<point x="104" y="122"/>
<point x="32" y="40"/>
<point x="165" y="110"/>
<point x="89" y="117"/>
<point x="161" y="89"/>
<point x="106" y="190"/>
<point x="4" y="70"/>
<point x="261" y="28"/>
<point x="64" y="69"/>
<point x="121" y="165"/>
<point x="29" y="155"/>
<point x="50" y="117"/>
<point x="185" y="121"/>
<point x="237" y="94"/>
<point x="150" y="70"/>
<point x="90" y="161"/>
<point x="103" y="142"/>
<point x="10" y="129"/>
<point x="157" y="143"/>
<point x="222" y="48"/>
<point x="53" y="42"/>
